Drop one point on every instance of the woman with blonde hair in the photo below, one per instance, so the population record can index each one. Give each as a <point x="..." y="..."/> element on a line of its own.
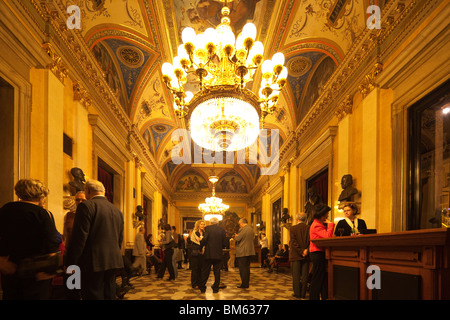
<point x="196" y="257"/>
<point x="27" y="230"/>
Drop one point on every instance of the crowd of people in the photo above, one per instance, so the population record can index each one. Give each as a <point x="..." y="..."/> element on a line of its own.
<point x="93" y="235"/>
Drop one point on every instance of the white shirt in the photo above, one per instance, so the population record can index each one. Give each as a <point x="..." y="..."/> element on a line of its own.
<point x="264" y="242"/>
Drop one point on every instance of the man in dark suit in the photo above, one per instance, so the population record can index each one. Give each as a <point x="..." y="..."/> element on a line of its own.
<point x="96" y="242"/>
<point x="245" y="249"/>
<point x="214" y="241"/>
<point x="298" y="255"/>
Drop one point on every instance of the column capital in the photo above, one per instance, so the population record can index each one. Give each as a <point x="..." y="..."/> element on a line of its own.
<point x="345" y="108"/>
<point x="56" y="65"/>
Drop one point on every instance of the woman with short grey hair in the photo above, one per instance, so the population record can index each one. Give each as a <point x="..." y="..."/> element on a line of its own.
<point x="31" y="190"/>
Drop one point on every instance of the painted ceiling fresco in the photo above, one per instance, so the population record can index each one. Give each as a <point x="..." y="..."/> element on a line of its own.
<point x="131" y="39"/>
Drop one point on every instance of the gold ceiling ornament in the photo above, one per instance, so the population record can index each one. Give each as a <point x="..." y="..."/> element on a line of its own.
<point x="224" y="114"/>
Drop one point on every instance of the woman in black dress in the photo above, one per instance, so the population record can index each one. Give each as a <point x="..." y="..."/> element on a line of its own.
<point x="196" y="254"/>
<point x="27" y="230"/>
<point x="350" y="224"/>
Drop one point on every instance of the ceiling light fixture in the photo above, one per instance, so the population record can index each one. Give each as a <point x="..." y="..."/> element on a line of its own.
<point x="446" y="109"/>
<point x="213" y="206"/>
<point x="224" y="114"/>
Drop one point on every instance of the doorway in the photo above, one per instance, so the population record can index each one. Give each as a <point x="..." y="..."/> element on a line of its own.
<point x="106" y="176"/>
<point x="319" y="183"/>
<point x="7" y="142"/>
<point x="276" y="225"/>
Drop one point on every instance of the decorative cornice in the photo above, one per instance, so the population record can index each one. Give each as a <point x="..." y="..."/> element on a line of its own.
<point x="344" y="108"/>
<point x="368" y="83"/>
<point x="80" y="94"/>
<point x="200" y="196"/>
<point x="56" y="65"/>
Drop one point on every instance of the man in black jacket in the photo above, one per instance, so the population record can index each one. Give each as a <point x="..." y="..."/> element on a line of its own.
<point x="214" y="241"/>
<point x="95" y="244"/>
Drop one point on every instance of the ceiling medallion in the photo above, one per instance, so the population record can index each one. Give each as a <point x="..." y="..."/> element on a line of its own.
<point x="298" y="66"/>
<point x="224" y="114"/>
<point x="130" y="56"/>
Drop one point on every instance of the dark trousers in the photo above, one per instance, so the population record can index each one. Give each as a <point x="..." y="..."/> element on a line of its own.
<point x="264" y="253"/>
<point x="15" y="288"/>
<point x="300" y="271"/>
<point x="206" y="268"/>
<point x="167" y="262"/>
<point x="318" y="279"/>
<point x="196" y="263"/>
<point x="99" y="285"/>
<point x="244" y="270"/>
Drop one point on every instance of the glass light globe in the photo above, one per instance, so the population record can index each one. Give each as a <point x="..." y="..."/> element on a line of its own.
<point x="211" y="35"/>
<point x="249" y="31"/>
<point x="167" y="69"/>
<point x="182" y="52"/>
<point x="188" y="35"/>
<point x="278" y="59"/>
<point x="267" y="68"/>
<point x="283" y="73"/>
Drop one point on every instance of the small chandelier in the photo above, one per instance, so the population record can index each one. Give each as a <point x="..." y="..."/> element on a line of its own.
<point x="224" y="114"/>
<point x="213" y="206"/>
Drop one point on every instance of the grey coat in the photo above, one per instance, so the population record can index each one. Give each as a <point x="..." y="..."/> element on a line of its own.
<point x="244" y="242"/>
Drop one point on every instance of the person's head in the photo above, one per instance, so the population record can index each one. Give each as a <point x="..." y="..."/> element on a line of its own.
<point x="280" y="246"/>
<point x="214" y="220"/>
<point x="263" y="235"/>
<point x="94" y="188"/>
<point x="31" y="190"/>
<point x="77" y="173"/>
<point x="286" y="247"/>
<point x="80" y="197"/>
<point x="350" y="210"/>
<point x="167" y="227"/>
<point x="174" y="228"/>
<point x="301" y="217"/>
<point x="321" y="212"/>
<point x="199" y="224"/>
<point x="242" y="222"/>
<point x="346" y="181"/>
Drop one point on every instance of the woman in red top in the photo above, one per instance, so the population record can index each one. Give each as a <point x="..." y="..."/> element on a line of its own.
<point x="320" y="228"/>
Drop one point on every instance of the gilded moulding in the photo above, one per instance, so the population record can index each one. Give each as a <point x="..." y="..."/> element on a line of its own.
<point x="56" y="65"/>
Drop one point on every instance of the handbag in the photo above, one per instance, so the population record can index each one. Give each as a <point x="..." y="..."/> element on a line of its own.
<point x="170" y="245"/>
<point x="51" y="263"/>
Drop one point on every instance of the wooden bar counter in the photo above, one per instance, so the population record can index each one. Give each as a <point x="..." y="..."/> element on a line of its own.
<point x="412" y="265"/>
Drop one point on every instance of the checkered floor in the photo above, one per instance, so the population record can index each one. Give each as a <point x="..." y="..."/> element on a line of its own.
<point x="263" y="286"/>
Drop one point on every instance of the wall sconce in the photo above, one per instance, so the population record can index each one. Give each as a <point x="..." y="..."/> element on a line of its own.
<point x="260" y="225"/>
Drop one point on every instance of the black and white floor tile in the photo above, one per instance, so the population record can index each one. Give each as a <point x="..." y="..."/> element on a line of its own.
<point x="263" y="286"/>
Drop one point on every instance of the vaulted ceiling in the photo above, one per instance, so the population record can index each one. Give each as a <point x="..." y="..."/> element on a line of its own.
<point x="131" y="39"/>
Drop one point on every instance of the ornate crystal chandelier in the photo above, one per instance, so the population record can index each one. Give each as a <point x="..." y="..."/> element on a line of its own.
<point x="224" y="114"/>
<point x="213" y="206"/>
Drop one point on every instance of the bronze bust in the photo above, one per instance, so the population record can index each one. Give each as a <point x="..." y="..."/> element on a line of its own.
<point x="349" y="191"/>
<point x="78" y="182"/>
